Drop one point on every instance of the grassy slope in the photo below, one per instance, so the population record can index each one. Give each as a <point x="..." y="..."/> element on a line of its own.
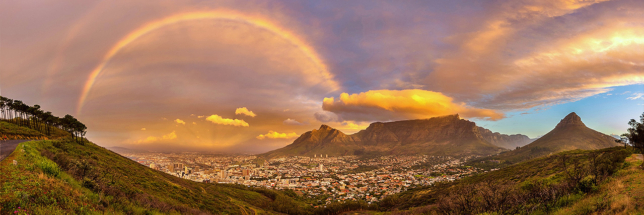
<point x="544" y="168"/>
<point x="623" y="193"/>
<point x="89" y="178"/>
<point x="14" y="131"/>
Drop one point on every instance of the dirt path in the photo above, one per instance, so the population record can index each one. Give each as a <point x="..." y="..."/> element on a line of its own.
<point x="6" y="148"/>
<point x="639" y="156"/>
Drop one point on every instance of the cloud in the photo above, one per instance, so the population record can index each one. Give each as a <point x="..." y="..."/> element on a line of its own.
<point x="200" y="117"/>
<point x="292" y="122"/>
<point x="143" y="129"/>
<point x="401" y="104"/>
<point x="244" y="111"/>
<point x="194" y="123"/>
<point x="178" y="121"/>
<point x="152" y="139"/>
<point x="326" y="116"/>
<point x="225" y="121"/>
<point x="276" y="135"/>
<point x="636" y="96"/>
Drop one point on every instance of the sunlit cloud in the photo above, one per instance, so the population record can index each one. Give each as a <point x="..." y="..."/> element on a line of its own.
<point x="244" y="111"/>
<point x="178" y="121"/>
<point x="143" y="129"/>
<point x="225" y="121"/>
<point x="277" y="135"/>
<point x="292" y="122"/>
<point x="401" y="104"/>
<point x="153" y="139"/>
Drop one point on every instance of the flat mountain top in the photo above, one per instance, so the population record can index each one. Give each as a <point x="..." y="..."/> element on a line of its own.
<point x="445" y="135"/>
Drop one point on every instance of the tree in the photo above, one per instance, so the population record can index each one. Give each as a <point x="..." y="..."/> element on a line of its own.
<point x="635" y="135"/>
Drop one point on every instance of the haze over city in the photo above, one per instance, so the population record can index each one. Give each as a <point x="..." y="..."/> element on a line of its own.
<point x="252" y="76"/>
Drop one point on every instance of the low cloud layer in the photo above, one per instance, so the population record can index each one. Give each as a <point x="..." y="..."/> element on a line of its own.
<point x="153" y="139"/>
<point x="225" y="121"/>
<point x="401" y="104"/>
<point x="277" y="135"/>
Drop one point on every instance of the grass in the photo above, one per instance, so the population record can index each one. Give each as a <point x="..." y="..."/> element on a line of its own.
<point x="17" y="132"/>
<point x="623" y="193"/>
<point x="88" y="179"/>
<point x="542" y="171"/>
<point x="14" y="131"/>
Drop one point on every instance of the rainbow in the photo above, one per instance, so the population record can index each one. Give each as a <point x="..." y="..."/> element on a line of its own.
<point x="258" y="22"/>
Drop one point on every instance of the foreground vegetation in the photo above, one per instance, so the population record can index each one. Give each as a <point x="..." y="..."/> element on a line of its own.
<point x="539" y="186"/>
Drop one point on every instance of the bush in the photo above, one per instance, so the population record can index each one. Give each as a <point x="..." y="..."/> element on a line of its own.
<point x="49" y="167"/>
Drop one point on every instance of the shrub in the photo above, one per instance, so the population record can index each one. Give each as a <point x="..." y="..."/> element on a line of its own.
<point x="49" y="167"/>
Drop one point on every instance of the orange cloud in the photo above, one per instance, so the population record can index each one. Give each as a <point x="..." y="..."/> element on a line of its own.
<point x="276" y="135"/>
<point x="244" y="111"/>
<point x="224" y="121"/>
<point x="401" y="104"/>
<point x="152" y="139"/>
<point x="178" y="121"/>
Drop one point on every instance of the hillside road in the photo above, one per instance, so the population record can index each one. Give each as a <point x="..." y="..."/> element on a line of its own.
<point x="7" y="147"/>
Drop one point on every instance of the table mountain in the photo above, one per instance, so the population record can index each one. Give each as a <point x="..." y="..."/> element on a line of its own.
<point x="446" y="135"/>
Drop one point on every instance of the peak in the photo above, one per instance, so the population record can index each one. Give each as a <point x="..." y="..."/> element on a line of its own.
<point x="325" y="127"/>
<point x="570" y="120"/>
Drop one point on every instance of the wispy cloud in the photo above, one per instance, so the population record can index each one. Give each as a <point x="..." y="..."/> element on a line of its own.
<point x="178" y="121"/>
<point x="636" y="96"/>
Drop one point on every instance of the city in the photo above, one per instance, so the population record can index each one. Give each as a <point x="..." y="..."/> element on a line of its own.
<point x="327" y="179"/>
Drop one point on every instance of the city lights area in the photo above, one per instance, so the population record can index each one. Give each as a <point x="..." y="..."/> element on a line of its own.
<point x="326" y="178"/>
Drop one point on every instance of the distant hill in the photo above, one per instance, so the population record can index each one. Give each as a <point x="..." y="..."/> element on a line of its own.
<point x="446" y="135"/>
<point x="570" y="134"/>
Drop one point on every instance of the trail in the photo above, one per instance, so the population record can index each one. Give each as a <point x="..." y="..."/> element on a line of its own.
<point x="7" y="147"/>
<point x="639" y="156"/>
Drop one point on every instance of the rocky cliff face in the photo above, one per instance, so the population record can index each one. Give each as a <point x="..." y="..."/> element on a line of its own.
<point x="446" y="135"/>
<point x="570" y="120"/>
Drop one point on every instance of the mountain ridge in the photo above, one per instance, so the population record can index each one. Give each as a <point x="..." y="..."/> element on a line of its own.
<point x="443" y="135"/>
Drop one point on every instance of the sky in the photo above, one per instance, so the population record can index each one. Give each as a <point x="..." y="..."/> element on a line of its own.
<point x="251" y="76"/>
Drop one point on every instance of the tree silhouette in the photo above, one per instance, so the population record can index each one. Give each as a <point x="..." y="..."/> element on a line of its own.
<point x="17" y="112"/>
<point x="635" y="135"/>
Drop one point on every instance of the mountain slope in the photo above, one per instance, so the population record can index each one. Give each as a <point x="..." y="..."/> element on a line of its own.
<point x="446" y="135"/>
<point x="64" y="177"/>
<point x="538" y="186"/>
<point x="571" y="133"/>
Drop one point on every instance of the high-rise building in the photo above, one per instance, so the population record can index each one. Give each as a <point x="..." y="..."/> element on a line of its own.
<point x="321" y="167"/>
<point x="246" y="172"/>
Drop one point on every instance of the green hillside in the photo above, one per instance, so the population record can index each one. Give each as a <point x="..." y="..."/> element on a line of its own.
<point x="63" y="177"/>
<point x="586" y="184"/>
